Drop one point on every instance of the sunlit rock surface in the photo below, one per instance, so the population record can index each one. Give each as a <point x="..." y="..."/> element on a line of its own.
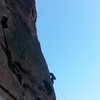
<point x="24" y="73"/>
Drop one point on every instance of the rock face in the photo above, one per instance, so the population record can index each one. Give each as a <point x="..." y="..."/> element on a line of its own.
<point x="24" y="73"/>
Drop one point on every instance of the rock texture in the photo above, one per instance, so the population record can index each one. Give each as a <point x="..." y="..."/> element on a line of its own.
<point x="24" y="73"/>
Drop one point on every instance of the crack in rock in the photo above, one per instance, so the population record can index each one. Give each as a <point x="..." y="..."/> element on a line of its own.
<point x="7" y="92"/>
<point x="15" y="67"/>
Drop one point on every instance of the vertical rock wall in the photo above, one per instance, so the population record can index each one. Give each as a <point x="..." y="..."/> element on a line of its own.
<point x="23" y="71"/>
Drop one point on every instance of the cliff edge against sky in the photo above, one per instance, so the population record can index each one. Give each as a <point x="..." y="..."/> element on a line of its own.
<point x="24" y="73"/>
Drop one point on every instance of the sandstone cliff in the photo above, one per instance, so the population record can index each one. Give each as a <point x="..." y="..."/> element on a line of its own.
<point x="24" y="73"/>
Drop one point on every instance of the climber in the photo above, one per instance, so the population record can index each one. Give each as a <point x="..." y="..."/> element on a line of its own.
<point x="52" y="77"/>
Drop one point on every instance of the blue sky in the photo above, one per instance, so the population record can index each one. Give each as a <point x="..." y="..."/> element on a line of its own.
<point x="69" y="33"/>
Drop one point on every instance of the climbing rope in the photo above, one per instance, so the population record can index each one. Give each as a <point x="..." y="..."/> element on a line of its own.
<point x="60" y="91"/>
